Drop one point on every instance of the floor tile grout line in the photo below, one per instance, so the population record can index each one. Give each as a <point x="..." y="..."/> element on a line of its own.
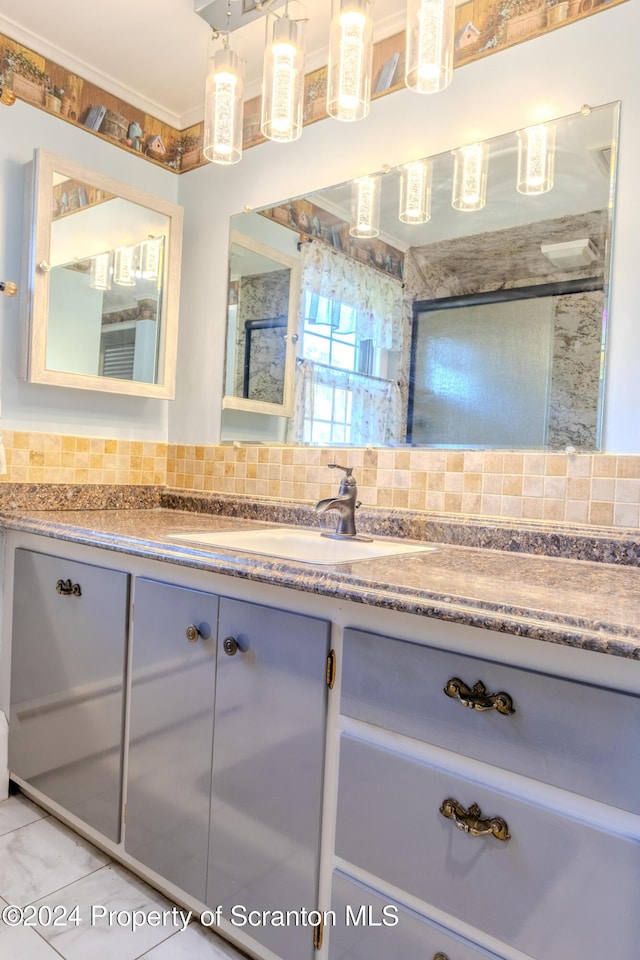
<point x="29" y="824"/>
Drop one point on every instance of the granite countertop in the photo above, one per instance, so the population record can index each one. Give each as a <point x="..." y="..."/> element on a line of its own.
<point x="576" y="603"/>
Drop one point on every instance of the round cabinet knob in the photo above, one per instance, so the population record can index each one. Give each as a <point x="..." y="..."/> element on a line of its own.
<point x="230" y="645"/>
<point x="192" y="633"/>
<point x="44" y="266"/>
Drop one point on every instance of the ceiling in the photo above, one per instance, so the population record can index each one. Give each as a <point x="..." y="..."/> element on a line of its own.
<point x="154" y="55"/>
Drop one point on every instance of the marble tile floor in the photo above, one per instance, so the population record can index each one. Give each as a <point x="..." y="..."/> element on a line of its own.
<point x="44" y="864"/>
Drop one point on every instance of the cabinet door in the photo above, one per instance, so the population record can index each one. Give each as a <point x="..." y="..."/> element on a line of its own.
<point x="68" y="654"/>
<point x="173" y="662"/>
<point x="268" y="769"/>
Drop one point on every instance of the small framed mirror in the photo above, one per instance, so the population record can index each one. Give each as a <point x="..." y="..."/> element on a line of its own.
<point x="262" y="320"/>
<point x="103" y="282"/>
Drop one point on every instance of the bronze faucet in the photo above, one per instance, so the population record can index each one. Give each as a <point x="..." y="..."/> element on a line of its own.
<point x="345" y="504"/>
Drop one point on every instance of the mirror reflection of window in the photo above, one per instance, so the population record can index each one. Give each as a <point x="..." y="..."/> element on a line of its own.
<point x="344" y="393"/>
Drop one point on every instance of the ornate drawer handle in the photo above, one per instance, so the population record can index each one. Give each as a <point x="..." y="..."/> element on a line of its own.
<point x="471" y="820"/>
<point x="440" y="956"/>
<point x="478" y="698"/>
<point x="192" y="633"/>
<point x="67" y="589"/>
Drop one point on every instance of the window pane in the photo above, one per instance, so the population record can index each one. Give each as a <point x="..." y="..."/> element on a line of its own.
<point x="338" y="434"/>
<point x="322" y="398"/>
<point x="343" y="356"/>
<point x="321" y="433"/>
<point x="316" y="348"/>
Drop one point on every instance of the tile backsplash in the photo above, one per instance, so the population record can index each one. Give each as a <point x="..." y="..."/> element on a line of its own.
<point x="596" y="489"/>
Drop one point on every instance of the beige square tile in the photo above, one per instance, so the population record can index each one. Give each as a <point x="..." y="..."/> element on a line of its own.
<point x="453" y="482"/>
<point x="626" y="515"/>
<point x="578" y="488"/>
<point x="511" y="485"/>
<point x="532" y="508"/>
<point x="555" y="465"/>
<point x="493" y="462"/>
<point x="553" y="510"/>
<point x="455" y="462"/>
<point x="603" y="488"/>
<point x="418" y="480"/>
<point x="453" y="502"/>
<point x="492" y="483"/>
<point x="629" y="467"/>
<point x="580" y="465"/>
<point x="534" y="463"/>
<point x="435" y="500"/>
<point x="474" y="461"/>
<point x="601" y="514"/>
<point x="472" y="481"/>
<point x="401" y="498"/>
<point x="513" y="463"/>
<point x="627" y="491"/>
<point x="435" y="481"/>
<point x="491" y="504"/>
<point x="511" y="507"/>
<point x="533" y="486"/>
<point x="604" y="465"/>
<point x="555" y="488"/>
<point x="417" y="499"/>
<point x="471" y="503"/>
<point x="577" y="511"/>
<point x="402" y="460"/>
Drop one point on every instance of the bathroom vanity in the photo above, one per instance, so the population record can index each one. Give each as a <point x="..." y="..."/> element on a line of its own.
<point x="434" y="751"/>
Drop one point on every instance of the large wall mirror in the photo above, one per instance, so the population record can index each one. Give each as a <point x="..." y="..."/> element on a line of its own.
<point x="103" y="278"/>
<point x="457" y="301"/>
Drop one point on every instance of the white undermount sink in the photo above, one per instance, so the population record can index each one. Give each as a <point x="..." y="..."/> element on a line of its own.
<point x="306" y="546"/>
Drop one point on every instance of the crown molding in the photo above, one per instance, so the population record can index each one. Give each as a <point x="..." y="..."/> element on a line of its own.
<point x="59" y="55"/>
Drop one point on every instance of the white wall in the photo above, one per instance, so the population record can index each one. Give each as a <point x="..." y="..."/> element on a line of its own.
<point x="594" y="61"/>
<point x="38" y="407"/>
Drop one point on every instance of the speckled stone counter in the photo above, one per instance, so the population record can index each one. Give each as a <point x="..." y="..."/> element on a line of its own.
<point x="572" y="602"/>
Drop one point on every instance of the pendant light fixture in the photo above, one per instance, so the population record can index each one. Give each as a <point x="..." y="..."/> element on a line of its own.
<point x="151" y="258"/>
<point x="100" y="278"/>
<point x="536" y="159"/>
<point x="224" y="99"/>
<point x="124" y="267"/>
<point x="429" y="45"/>
<point x="365" y="207"/>
<point x="415" y="191"/>
<point x="470" y="177"/>
<point x="283" y="77"/>
<point x="350" y="59"/>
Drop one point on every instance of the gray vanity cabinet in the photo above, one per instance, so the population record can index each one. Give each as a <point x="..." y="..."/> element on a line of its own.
<point x="173" y="676"/>
<point x="268" y="760"/>
<point x="68" y="658"/>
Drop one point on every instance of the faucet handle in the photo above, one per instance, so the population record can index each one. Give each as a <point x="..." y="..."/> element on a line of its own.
<point x="337" y="466"/>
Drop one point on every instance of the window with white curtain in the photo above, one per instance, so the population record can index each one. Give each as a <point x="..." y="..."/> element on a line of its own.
<point x="347" y="313"/>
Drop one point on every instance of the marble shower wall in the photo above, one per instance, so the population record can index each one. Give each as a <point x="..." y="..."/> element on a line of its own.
<point x="262" y="297"/>
<point x="506" y="259"/>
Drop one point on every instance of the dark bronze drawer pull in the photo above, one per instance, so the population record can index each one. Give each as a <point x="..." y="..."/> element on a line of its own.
<point x="67" y="589"/>
<point x="471" y="820"/>
<point x="478" y="698"/>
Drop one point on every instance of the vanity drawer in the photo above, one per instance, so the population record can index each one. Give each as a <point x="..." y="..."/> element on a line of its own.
<point x="557" y="888"/>
<point x="363" y="929"/>
<point x="561" y="732"/>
